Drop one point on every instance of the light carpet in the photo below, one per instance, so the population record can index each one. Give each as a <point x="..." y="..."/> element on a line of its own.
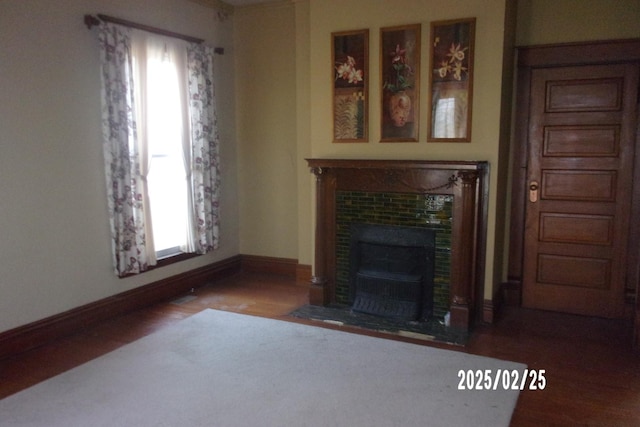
<point x="219" y="368"/>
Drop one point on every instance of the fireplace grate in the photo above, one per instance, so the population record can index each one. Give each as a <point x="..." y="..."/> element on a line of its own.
<point x="391" y="271"/>
<point x="392" y="295"/>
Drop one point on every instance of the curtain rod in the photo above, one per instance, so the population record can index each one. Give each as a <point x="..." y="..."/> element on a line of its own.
<point x="91" y="21"/>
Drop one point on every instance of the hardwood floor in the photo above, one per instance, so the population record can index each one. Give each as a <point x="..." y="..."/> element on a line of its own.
<point x="593" y="377"/>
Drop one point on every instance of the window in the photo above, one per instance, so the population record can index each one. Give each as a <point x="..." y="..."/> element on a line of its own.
<point x="160" y="146"/>
<point x="166" y="176"/>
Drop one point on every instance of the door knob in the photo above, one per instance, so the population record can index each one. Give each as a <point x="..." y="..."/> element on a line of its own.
<point x="533" y="191"/>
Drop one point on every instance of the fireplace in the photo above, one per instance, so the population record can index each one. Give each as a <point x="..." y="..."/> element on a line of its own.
<point x="413" y="211"/>
<point x="463" y="183"/>
<point x="391" y="270"/>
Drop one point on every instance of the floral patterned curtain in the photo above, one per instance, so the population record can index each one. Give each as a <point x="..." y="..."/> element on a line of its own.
<point x="204" y="157"/>
<point x="122" y="157"/>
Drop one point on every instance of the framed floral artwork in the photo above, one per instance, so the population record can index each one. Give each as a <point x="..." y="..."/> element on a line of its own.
<point x="350" y="73"/>
<point x="400" y="80"/>
<point x="451" y="80"/>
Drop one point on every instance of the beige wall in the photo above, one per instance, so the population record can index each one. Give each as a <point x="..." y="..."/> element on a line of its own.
<point x="562" y="21"/>
<point x="265" y="64"/>
<point x="306" y="182"/>
<point x="54" y="229"/>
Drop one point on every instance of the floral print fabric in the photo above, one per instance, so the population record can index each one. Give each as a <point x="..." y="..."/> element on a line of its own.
<point x="205" y="167"/>
<point x="122" y="160"/>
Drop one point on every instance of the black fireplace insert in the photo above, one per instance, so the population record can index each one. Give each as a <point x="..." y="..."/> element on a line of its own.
<point x="391" y="270"/>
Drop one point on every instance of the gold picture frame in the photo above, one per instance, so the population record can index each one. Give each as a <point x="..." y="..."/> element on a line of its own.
<point x="350" y="75"/>
<point x="451" y="80"/>
<point x="400" y="83"/>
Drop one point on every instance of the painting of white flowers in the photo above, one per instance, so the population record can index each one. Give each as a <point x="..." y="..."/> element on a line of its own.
<point x="400" y="92"/>
<point x="350" y="72"/>
<point x="451" y="80"/>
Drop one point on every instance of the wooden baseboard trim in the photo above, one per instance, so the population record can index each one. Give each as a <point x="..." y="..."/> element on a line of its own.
<point x="488" y="311"/>
<point x="269" y="265"/>
<point x="512" y="292"/>
<point x="34" y="334"/>
<point x="491" y="307"/>
<point x="636" y="334"/>
<point x="281" y="266"/>
<point x="303" y="275"/>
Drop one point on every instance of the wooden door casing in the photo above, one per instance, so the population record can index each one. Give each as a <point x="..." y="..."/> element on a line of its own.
<point x="579" y="184"/>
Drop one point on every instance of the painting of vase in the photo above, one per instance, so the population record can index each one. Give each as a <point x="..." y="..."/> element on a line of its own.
<point x="400" y="70"/>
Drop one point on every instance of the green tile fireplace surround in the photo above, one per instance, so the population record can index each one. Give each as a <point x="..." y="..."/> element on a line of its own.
<point x="447" y="197"/>
<point x="428" y="211"/>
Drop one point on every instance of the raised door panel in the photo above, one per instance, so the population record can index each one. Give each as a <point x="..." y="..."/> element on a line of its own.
<point x="580" y="164"/>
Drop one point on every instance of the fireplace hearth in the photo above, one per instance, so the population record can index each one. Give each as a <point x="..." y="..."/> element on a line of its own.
<point x="391" y="271"/>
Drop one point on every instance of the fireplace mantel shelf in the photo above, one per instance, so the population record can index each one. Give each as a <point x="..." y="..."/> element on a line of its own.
<point x="396" y="164"/>
<point x="466" y="181"/>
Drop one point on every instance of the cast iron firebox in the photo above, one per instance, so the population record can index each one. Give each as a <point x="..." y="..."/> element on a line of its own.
<point x="391" y="271"/>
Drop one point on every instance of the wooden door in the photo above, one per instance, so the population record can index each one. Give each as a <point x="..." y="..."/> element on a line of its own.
<point x="579" y="188"/>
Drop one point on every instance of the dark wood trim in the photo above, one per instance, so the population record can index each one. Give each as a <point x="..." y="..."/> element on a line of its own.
<point x="465" y="180"/>
<point x="512" y="293"/>
<point x="303" y="274"/>
<point x="173" y="259"/>
<point x="464" y="250"/>
<point x="320" y="290"/>
<point x="480" y="239"/>
<point x="519" y="177"/>
<point x="286" y="267"/>
<point x="557" y="55"/>
<point x="579" y="53"/>
<point x="636" y="333"/>
<point x="35" y="334"/>
<point x="269" y="265"/>
<point x="488" y="311"/>
<point x="91" y="21"/>
<point x="633" y="271"/>
<point x="491" y="309"/>
<point x="163" y="262"/>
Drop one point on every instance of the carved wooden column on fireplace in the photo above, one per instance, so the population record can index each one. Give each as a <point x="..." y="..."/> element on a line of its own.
<point x="466" y="181"/>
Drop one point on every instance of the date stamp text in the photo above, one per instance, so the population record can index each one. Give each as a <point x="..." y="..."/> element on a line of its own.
<point x="501" y="379"/>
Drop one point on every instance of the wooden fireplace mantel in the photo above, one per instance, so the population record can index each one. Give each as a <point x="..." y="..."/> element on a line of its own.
<point x="466" y="181"/>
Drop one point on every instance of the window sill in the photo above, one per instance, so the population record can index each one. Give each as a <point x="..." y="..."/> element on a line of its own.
<point x="172" y="259"/>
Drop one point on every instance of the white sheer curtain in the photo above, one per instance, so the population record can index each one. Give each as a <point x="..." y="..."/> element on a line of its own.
<point x="160" y="65"/>
<point x="138" y="53"/>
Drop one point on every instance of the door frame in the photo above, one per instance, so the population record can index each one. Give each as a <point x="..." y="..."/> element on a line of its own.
<point x="561" y="55"/>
